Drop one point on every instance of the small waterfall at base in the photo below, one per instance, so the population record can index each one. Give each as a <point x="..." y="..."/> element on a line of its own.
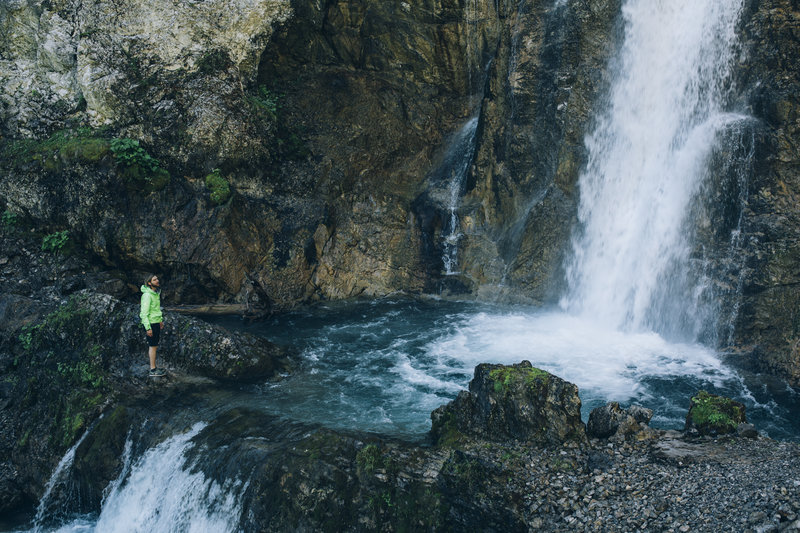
<point x="632" y="254"/>
<point x="163" y="490"/>
<point x="51" y="507"/>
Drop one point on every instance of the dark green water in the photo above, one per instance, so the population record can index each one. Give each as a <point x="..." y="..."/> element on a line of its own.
<point x="384" y="365"/>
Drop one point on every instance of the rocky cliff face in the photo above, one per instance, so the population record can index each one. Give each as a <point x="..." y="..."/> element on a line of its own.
<point x="330" y="122"/>
<point x="767" y="322"/>
<point x="307" y="150"/>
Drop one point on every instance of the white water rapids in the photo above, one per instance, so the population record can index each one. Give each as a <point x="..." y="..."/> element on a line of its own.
<point x="161" y="491"/>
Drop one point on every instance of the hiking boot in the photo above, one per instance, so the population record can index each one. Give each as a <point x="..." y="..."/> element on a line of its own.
<point x="157" y="372"/>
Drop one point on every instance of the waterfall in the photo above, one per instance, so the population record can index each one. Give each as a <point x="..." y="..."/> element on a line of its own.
<point x="164" y="491"/>
<point x="51" y="506"/>
<point x="456" y="167"/>
<point x="632" y="265"/>
<point x="459" y="152"/>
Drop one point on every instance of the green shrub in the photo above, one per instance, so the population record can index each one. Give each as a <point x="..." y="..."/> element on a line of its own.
<point x="137" y="165"/>
<point x="55" y="242"/>
<point x="219" y="187"/>
<point x="265" y="103"/>
<point x="710" y="413"/>
<point x="26" y="337"/>
<point x="128" y="152"/>
<point x="83" y="373"/>
<point x="369" y="458"/>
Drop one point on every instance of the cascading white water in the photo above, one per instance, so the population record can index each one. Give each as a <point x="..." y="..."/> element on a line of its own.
<point x="160" y="491"/>
<point x="647" y="156"/>
<point x="45" y="509"/>
<point x="460" y="150"/>
<point x="457" y="162"/>
<point x="163" y="492"/>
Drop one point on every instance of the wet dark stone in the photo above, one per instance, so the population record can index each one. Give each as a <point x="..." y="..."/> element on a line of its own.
<point x="609" y="419"/>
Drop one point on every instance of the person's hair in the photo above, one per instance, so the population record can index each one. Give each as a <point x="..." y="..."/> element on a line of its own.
<point x="149" y="278"/>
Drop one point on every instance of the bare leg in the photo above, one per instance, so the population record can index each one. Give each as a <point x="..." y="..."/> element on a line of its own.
<point x="152" y="353"/>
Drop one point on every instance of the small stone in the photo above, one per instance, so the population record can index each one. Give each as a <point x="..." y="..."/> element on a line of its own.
<point x="746" y="430"/>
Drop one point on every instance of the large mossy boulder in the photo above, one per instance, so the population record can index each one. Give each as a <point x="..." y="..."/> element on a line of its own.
<point x="516" y="402"/>
<point x="710" y="414"/>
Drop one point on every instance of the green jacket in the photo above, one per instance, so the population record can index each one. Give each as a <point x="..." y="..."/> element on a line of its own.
<point x="150" y="311"/>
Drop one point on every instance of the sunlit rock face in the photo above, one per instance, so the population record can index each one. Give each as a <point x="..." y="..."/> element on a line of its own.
<point x="328" y="121"/>
<point x="92" y="57"/>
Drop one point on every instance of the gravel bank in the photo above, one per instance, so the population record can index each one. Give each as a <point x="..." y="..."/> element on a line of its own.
<point x="666" y="483"/>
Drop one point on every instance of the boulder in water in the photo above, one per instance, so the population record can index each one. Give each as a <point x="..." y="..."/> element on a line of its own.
<point x="516" y="402"/>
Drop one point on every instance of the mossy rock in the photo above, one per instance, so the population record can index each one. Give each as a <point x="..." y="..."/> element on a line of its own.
<point x="507" y="377"/>
<point x="511" y="402"/>
<point x="63" y="148"/>
<point x="444" y="427"/>
<point x="710" y="414"/>
<point x="144" y="179"/>
<point x="99" y="458"/>
<point x="219" y="187"/>
<point x="71" y="417"/>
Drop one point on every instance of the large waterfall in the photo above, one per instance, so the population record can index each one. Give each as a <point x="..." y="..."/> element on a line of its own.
<point x="648" y="153"/>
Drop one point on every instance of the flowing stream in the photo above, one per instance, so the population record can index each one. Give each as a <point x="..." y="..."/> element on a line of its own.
<point x="384" y="365"/>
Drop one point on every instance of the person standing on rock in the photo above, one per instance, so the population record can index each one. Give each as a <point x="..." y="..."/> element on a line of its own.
<point x="152" y="319"/>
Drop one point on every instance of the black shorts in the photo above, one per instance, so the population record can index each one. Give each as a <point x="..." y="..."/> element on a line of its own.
<point x="153" y="341"/>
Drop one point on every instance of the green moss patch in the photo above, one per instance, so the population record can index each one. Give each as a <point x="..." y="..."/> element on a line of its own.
<point x="68" y="146"/>
<point x="71" y="418"/>
<point x="219" y="187"/>
<point x="445" y="431"/>
<point x="504" y="377"/>
<point x="710" y="413"/>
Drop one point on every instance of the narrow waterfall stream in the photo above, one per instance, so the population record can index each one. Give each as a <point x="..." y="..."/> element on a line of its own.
<point x="456" y="167"/>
